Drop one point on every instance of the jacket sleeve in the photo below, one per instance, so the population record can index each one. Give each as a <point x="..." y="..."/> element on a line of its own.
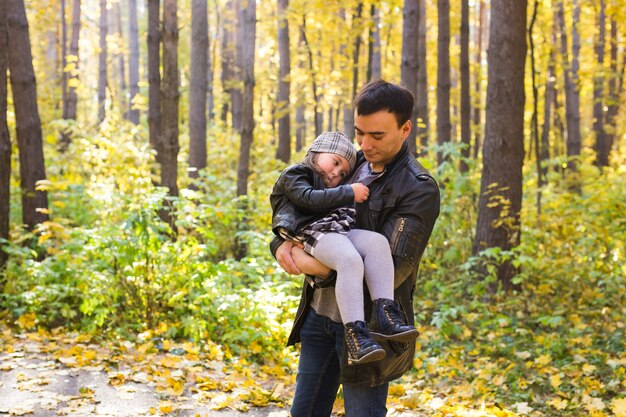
<point x="298" y="187"/>
<point x="275" y="244"/>
<point x="410" y="224"/>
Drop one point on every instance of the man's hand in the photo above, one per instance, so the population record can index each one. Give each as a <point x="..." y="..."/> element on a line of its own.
<point x="361" y="192"/>
<point x="308" y="264"/>
<point x="285" y="260"/>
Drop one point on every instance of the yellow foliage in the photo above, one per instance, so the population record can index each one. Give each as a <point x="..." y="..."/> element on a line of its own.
<point x="166" y="407"/>
<point x="618" y="406"/>
<point x="27" y="321"/>
<point x="543" y="360"/>
<point x="117" y="379"/>
<point x="558" y="403"/>
<point x="397" y="389"/>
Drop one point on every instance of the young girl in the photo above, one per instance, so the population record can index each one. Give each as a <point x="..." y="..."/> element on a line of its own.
<point x="310" y="207"/>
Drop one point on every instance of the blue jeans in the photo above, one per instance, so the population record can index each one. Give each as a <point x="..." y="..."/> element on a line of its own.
<point x="317" y="381"/>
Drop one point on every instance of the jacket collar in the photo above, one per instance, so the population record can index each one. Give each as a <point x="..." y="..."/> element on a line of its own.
<point x="402" y="153"/>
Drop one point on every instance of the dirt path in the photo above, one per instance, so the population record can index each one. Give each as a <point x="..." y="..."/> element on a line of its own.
<point x="54" y="377"/>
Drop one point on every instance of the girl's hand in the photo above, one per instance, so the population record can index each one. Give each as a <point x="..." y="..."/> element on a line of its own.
<point x="361" y="192"/>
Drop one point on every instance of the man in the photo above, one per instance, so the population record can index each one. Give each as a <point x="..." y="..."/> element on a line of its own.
<point x="403" y="205"/>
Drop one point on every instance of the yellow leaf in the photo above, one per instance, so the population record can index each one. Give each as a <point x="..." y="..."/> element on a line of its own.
<point x="555" y="381"/>
<point x="543" y="360"/>
<point x="593" y="403"/>
<point x="168" y="345"/>
<point x="618" y="406"/>
<point x="166" y="407"/>
<point x="588" y="368"/>
<point x="558" y="403"/>
<point x="175" y="386"/>
<point x="145" y="347"/>
<point x="499" y="380"/>
<point x="73" y="82"/>
<point x="116" y="379"/>
<point x="27" y="321"/>
<point x="397" y="390"/>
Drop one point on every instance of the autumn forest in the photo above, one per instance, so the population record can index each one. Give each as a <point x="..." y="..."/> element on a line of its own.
<point x="140" y="140"/>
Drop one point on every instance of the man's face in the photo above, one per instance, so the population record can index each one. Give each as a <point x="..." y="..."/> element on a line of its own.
<point x="379" y="137"/>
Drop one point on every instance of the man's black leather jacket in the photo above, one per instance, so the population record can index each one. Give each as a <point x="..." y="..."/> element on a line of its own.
<point x="403" y="205"/>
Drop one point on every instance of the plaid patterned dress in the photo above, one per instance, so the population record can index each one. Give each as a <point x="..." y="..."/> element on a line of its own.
<point x="339" y="220"/>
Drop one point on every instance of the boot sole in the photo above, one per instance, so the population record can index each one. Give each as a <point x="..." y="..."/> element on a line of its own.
<point x="407" y="336"/>
<point x="376" y="355"/>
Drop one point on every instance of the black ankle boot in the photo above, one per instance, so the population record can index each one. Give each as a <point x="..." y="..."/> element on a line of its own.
<point x="359" y="344"/>
<point x="389" y="322"/>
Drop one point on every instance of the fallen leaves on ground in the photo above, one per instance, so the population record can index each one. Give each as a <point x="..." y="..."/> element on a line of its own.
<point x="179" y="374"/>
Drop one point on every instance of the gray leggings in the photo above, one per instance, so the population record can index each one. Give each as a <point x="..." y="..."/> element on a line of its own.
<point x="360" y="253"/>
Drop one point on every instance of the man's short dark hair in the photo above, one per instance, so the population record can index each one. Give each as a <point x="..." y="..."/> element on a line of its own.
<point x="381" y="95"/>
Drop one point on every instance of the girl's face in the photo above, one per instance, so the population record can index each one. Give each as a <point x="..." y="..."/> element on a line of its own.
<point x="332" y="167"/>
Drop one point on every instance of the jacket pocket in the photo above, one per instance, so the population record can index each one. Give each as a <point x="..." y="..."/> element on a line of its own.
<point x="408" y="240"/>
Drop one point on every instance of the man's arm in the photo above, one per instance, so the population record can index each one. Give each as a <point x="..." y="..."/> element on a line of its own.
<point x="308" y="264"/>
<point x="409" y="227"/>
<point x="294" y="260"/>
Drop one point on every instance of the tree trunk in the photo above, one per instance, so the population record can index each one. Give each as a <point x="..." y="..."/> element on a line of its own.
<point x="27" y="121"/>
<point x="154" y="76"/>
<point x="423" y="118"/>
<point x="5" y="140"/>
<point x="503" y="151"/>
<point x="615" y="86"/>
<point x="602" y="149"/>
<point x="228" y="58"/>
<point x="102" y="61"/>
<point x="169" y="105"/>
<point x="210" y="98"/>
<point x="466" y="103"/>
<point x="52" y="57"/>
<point x="247" y="19"/>
<point x="121" y="62"/>
<point x="71" y="71"/>
<point x="535" y="116"/>
<point x="63" y="57"/>
<point x="482" y="12"/>
<point x="198" y="86"/>
<point x="284" y="69"/>
<point x="572" y="99"/>
<point x="550" y="94"/>
<point x="301" y="128"/>
<point x="236" y="92"/>
<point x="349" y="112"/>
<point x="344" y="53"/>
<point x="443" y="78"/>
<point x="313" y="75"/>
<point x="248" y="29"/>
<point x="409" y="62"/>
<point x="133" y="61"/>
<point x="374" y="62"/>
